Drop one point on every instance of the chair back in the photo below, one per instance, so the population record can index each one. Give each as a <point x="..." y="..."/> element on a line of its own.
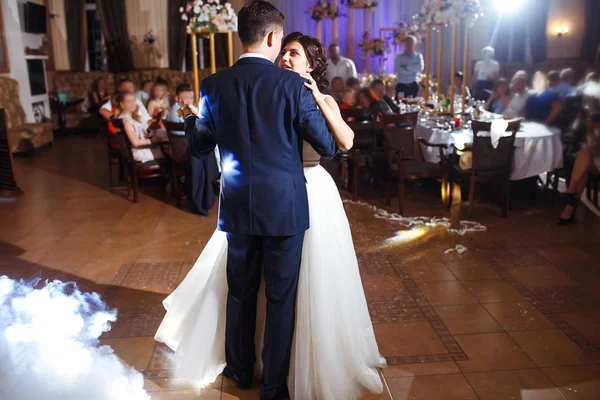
<point x="123" y="141"/>
<point x="357" y="114"/>
<point x="180" y="150"/>
<point x="404" y="118"/>
<point x="364" y="134"/>
<point x="110" y="140"/>
<point x="571" y="108"/>
<point x="486" y="158"/>
<point x="399" y="143"/>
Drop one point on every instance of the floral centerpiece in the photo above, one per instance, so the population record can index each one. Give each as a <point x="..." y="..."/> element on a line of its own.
<point x="405" y="30"/>
<point x="209" y="15"/>
<point x="362" y="4"/>
<point x="446" y="12"/>
<point x="323" y="9"/>
<point x="376" y="47"/>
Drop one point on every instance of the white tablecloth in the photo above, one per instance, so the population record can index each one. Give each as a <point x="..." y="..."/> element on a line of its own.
<point x="538" y="148"/>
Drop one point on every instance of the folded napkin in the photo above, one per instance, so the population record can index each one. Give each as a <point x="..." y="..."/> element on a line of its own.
<point x="498" y="131"/>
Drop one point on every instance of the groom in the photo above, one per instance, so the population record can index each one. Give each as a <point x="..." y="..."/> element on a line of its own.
<point x="258" y="115"/>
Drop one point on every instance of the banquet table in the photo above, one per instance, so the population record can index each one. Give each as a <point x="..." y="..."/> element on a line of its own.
<point x="539" y="148"/>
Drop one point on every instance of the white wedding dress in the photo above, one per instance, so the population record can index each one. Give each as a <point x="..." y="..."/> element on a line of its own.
<point x="334" y="354"/>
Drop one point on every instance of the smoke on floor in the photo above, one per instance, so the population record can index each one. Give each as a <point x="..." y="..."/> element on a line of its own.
<point x="49" y="347"/>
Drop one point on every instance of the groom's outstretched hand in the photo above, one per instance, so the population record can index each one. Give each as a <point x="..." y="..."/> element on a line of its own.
<point x="186" y="110"/>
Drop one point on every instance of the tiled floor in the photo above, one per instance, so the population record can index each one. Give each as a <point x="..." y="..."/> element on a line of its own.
<point x="517" y="316"/>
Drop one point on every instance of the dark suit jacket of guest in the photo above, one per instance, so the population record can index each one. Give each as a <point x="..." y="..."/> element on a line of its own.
<point x="258" y="114"/>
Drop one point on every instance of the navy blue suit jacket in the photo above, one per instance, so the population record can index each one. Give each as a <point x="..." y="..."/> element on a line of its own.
<point x="258" y="113"/>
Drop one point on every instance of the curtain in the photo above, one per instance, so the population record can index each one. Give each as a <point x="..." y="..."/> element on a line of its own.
<point x="538" y="21"/>
<point x="76" y="33"/>
<point x="591" y="37"/>
<point x="176" y="35"/>
<point x="114" y="25"/>
<point x="58" y="34"/>
<point x="143" y="17"/>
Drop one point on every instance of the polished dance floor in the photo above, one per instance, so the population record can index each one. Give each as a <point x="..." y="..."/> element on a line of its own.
<point x="514" y="316"/>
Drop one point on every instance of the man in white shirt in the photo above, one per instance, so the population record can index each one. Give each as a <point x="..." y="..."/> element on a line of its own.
<point x="126" y="85"/>
<point x="519" y="92"/>
<point x="143" y="94"/>
<point x="485" y="73"/>
<point x="339" y="66"/>
<point x="408" y="65"/>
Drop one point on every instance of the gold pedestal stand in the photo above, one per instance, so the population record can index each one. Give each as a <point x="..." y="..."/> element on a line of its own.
<point x="213" y="59"/>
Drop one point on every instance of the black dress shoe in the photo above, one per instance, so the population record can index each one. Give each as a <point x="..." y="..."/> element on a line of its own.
<point x="227" y="373"/>
<point x="281" y="394"/>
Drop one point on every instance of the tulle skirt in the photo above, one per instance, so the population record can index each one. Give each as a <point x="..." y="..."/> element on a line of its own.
<point x="334" y="354"/>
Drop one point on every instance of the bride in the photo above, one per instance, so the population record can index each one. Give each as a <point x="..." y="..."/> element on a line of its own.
<point x="334" y="354"/>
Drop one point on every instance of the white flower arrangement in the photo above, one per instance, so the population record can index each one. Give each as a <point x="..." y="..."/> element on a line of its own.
<point x="445" y="12"/>
<point x="209" y="15"/>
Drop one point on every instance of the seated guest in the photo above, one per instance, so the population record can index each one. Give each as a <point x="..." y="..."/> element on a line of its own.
<point x="485" y="73"/>
<point x="379" y="88"/>
<point x="184" y="94"/>
<point x="500" y="97"/>
<point x="156" y="104"/>
<point x="407" y="66"/>
<point x="199" y="184"/>
<point x="348" y="99"/>
<point x="588" y="160"/>
<point x="519" y="94"/>
<point x="367" y="99"/>
<point x="590" y="84"/>
<point x="336" y="88"/>
<point x="353" y="83"/>
<point x="138" y="136"/>
<point x="110" y="108"/>
<point x="565" y="88"/>
<point x="99" y="95"/>
<point x="143" y="95"/>
<point x="339" y="66"/>
<point x="543" y="104"/>
<point x="458" y="82"/>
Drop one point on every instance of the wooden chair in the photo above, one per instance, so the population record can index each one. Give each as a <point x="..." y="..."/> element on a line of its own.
<point x="357" y="115"/>
<point x="402" y="164"/>
<point x="396" y="119"/>
<point x="135" y="170"/>
<point x="179" y="158"/>
<point x="113" y="154"/>
<point x="489" y="164"/>
<point x="365" y="138"/>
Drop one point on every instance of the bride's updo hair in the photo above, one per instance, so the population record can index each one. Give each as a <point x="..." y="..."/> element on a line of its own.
<point x="315" y="54"/>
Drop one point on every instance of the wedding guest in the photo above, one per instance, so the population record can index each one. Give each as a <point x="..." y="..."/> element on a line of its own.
<point x="458" y="82"/>
<point x="336" y="88"/>
<point x="339" y="66"/>
<point x="156" y="104"/>
<point x="202" y="174"/>
<point x="184" y="94"/>
<point x="367" y="99"/>
<point x="565" y="88"/>
<point x="543" y="104"/>
<point x="486" y="71"/>
<point x="379" y="88"/>
<point x="500" y="98"/>
<point x="110" y="108"/>
<point x="99" y="95"/>
<point x="143" y="95"/>
<point x="348" y="99"/>
<point x="138" y="136"/>
<point x="353" y="83"/>
<point x="519" y="93"/>
<point x="408" y="65"/>
<point x="587" y="161"/>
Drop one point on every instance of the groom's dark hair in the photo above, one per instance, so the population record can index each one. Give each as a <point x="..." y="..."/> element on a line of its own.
<point x="256" y="19"/>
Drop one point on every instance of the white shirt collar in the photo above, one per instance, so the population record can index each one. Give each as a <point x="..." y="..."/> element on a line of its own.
<point x="246" y="55"/>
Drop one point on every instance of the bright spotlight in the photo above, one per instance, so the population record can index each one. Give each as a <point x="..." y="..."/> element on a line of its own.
<point x="507" y="6"/>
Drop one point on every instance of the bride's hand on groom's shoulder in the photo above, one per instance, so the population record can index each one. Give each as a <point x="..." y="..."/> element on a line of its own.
<point x="310" y="83"/>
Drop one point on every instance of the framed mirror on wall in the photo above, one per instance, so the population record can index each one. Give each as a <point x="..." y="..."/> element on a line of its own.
<point x="4" y="67"/>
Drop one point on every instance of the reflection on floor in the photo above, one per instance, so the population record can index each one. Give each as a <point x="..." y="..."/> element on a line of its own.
<point x="515" y="316"/>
